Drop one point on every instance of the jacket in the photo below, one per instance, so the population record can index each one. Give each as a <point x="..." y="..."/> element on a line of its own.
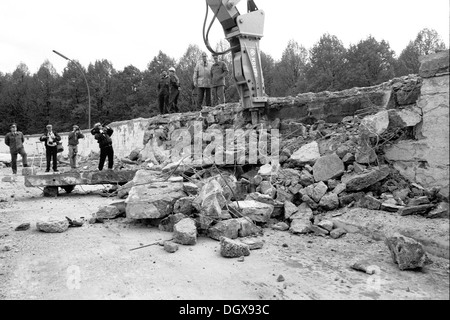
<point x="74" y="136"/>
<point x="163" y="86"/>
<point x="50" y="142"/>
<point x="14" y="141"/>
<point x="103" y="136"/>
<point x="202" y="75"/>
<point x="174" y="82"/>
<point x="219" y="71"/>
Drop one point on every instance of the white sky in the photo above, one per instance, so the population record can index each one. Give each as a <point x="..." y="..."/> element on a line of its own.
<point x="132" y="32"/>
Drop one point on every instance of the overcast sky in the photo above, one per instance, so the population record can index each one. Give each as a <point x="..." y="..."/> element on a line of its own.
<point x="132" y="32"/>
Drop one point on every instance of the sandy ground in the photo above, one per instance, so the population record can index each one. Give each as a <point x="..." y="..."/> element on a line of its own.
<point x="95" y="261"/>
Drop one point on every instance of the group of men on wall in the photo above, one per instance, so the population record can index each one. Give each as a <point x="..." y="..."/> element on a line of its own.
<point x="208" y="80"/>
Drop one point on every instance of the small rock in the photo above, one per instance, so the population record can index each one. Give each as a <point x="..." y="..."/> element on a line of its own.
<point x="253" y="243"/>
<point x="281" y="226"/>
<point x="23" y="227"/>
<point x="326" y="224"/>
<point x="280" y="278"/>
<point x="170" y="247"/>
<point x="337" y="233"/>
<point x="365" y="266"/>
<point x="232" y="248"/>
<point x="407" y="252"/>
<point x="5" y="247"/>
<point x="52" y="225"/>
<point x="241" y="259"/>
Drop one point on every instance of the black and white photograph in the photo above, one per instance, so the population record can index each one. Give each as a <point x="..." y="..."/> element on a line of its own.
<point x="227" y="156"/>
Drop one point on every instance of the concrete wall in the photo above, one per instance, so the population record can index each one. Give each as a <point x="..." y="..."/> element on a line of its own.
<point x="426" y="159"/>
<point x="128" y="135"/>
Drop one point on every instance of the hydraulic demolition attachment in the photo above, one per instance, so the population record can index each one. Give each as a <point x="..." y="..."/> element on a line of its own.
<point x="243" y="32"/>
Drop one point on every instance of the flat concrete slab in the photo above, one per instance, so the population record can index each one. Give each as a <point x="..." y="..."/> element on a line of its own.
<point x="79" y="178"/>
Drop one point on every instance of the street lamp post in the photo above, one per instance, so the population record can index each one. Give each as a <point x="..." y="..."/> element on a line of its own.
<point x="85" y="80"/>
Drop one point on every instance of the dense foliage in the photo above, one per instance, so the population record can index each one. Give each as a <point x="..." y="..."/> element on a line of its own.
<point x="33" y="100"/>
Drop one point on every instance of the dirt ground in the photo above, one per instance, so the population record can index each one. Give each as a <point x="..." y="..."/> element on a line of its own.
<point x="95" y="261"/>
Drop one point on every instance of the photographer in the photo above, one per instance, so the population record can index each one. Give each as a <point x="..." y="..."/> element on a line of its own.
<point x="74" y="136"/>
<point x="103" y="135"/>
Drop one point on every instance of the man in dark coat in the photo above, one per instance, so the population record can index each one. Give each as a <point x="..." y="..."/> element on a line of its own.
<point x="163" y="92"/>
<point x="14" y="140"/>
<point x="103" y="136"/>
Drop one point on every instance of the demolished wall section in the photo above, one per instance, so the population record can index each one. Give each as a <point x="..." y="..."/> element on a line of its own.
<point x="425" y="159"/>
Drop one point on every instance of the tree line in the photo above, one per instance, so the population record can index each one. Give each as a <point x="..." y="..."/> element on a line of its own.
<point x="34" y="100"/>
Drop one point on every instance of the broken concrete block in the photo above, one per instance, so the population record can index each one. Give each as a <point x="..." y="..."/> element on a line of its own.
<point x="185" y="232"/>
<point x="365" y="266"/>
<point x="153" y="201"/>
<point x="318" y="230"/>
<point x="418" y="201"/>
<point x="253" y="243"/>
<point x="283" y="195"/>
<point x="248" y="228"/>
<point x="337" y="233"/>
<point x="375" y="124"/>
<point x="210" y="201"/>
<point x="266" y="188"/>
<point x="339" y="188"/>
<point x="310" y="202"/>
<point x="407" y="252"/>
<point x="347" y="199"/>
<point x="328" y="167"/>
<point x="232" y="248"/>
<point x="170" y="247"/>
<point x="190" y="188"/>
<point x="281" y="226"/>
<point x="203" y="222"/>
<point x="257" y="211"/>
<point x="227" y="228"/>
<point x="343" y="150"/>
<point x="307" y="154"/>
<point x="441" y="211"/>
<point x="183" y="205"/>
<point x="120" y="205"/>
<point x="306" y="178"/>
<point x="265" y="170"/>
<point x="122" y="191"/>
<point x="330" y="201"/>
<point x="326" y="224"/>
<point x="422" y="209"/>
<point x="315" y="191"/>
<point x="52" y="225"/>
<point x="23" y="227"/>
<point x="289" y="209"/>
<point x="369" y="202"/>
<point x="389" y="207"/>
<point x="167" y="223"/>
<point x="300" y="226"/>
<point x="361" y="181"/>
<point x="107" y="212"/>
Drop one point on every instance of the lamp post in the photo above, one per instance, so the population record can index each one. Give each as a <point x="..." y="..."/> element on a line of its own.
<point x="85" y="80"/>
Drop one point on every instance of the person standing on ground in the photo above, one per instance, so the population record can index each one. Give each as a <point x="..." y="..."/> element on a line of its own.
<point x="103" y="136"/>
<point x="14" y="140"/>
<point x="174" y="91"/>
<point x="163" y="92"/>
<point x="202" y="80"/>
<point x="219" y="71"/>
<point x="51" y="139"/>
<point x="74" y="136"/>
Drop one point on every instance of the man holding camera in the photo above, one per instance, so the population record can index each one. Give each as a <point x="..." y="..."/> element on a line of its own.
<point x="103" y="136"/>
<point x="74" y="136"/>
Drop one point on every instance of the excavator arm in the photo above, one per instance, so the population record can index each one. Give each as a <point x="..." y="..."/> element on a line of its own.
<point x="243" y="32"/>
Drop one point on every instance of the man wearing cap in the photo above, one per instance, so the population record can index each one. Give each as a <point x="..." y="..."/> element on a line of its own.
<point x="51" y="139"/>
<point x="103" y="136"/>
<point x="74" y="136"/>
<point x="14" y="140"/>
<point x="174" y="90"/>
<point x="163" y="92"/>
<point x="202" y="80"/>
<point x="219" y="71"/>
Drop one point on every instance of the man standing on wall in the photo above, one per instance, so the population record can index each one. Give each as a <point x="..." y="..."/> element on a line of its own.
<point x="103" y="136"/>
<point x="74" y="136"/>
<point x="219" y="71"/>
<point x="174" y="91"/>
<point x="202" y="80"/>
<point x="163" y="92"/>
<point x="14" y="140"/>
